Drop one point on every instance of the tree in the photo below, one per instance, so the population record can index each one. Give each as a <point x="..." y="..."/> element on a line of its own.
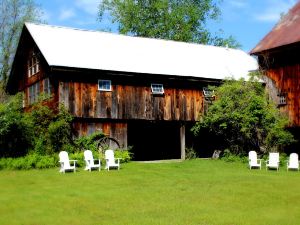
<point x="13" y="14"/>
<point x="179" y="20"/>
<point x="245" y="119"/>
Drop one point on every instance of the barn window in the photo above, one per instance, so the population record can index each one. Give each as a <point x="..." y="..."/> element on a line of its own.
<point x="47" y="86"/>
<point x="282" y="99"/>
<point x="34" y="91"/>
<point x="104" y="85"/>
<point x="209" y="94"/>
<point x="157" y="89"/>
<point x="33" y="65"/>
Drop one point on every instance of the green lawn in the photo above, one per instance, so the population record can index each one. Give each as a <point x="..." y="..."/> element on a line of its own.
<point x="192" y="192"/>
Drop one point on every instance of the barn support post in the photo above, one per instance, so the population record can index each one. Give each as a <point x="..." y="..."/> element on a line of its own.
<point x="182" y="141"/>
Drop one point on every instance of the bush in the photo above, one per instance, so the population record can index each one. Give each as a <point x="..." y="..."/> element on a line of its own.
<point x="16" y="130"/>
<point x="227" y="156"/>
<point x="79" y="157"/>
<point x="124" y="154"/>
<point x="190" y="153"/>
<point x="89" y="142"/>
<point x="32" y="161"/>
<point x="59" y="134"/>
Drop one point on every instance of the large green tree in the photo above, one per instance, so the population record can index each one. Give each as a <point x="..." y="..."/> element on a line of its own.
<point x="13" y="14"/>
<point x="243" y="116"/>
<point x="179" y="20"/>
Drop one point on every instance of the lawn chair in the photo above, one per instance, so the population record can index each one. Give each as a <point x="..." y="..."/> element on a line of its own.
<point x="65" y="162"/>
<point x="253" y="161"/>
<point x="90" y="162"/>
<point x="273" y="162"/>
<point x="293" y="163"/>
<point x="111" y="161"/>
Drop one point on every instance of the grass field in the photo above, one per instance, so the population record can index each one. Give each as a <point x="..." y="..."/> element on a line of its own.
<point x="201" y="192"/>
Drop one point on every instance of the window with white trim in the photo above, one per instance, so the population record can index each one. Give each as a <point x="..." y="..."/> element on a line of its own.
<point x="47" y="86"/>
<point x="34" y="91"/>
<point x="33" y="66"/>
<point x="157" y="89"/>
<point x="104" y="85"/>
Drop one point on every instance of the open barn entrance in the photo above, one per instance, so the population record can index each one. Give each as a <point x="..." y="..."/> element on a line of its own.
<point x="152" y="140"/>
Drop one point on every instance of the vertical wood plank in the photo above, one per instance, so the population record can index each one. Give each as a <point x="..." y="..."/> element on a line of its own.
<point x="182" y="141"/>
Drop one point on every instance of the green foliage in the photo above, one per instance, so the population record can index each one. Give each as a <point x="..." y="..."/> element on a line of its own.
<point x="227" y="156"/>
<point x="16" y="130"/>
<point x="59" y="134"/>
<point x="167" y="19"/>
<point x="79" y="157"/>
<point x="244" y="117"/>
<point x="124" y="154"/>
<point x="190" y="153"/>
<point x="31" y="161"/>
<point x="52" y="129"/>
<point x="41" y="129"/>
<point x="89" y="142"/>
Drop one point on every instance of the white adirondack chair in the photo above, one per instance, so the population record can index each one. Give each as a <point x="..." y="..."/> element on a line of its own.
<point x="65" y="162"/>
<point x="253" y="161"/>
<point x="273" y="161"/>
<point x="293" y="162"/>
<point x="111" y="161"/>
<point x="90" y="162"/>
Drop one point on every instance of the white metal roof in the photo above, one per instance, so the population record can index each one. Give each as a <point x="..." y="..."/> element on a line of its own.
<point x="70" y="47"/>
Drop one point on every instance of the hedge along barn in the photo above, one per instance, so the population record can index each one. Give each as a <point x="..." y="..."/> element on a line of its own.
<point x="146" y="93"/>
<point x="278" y="57"/>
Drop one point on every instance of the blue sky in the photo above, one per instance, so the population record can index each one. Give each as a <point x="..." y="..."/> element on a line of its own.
<point x="247" y="20"/>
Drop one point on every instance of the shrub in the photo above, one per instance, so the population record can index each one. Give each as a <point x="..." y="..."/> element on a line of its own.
<point x="16" y="130"/>
<point x="227" y="156"/>
<point x="190" y="153"/>
<point x="124" y="154"/>
<point x="59" y="134"/>
<point x="79" y="157"/>
<point x="89" y="142"/>
<point x="31" y="161"/>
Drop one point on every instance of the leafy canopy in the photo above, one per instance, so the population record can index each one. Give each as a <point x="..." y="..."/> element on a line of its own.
<point x="244" y="117"/>
<point x="179" y="20"/>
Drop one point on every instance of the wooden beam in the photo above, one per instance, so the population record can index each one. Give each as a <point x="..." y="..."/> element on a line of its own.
<point x="182" y="141"/>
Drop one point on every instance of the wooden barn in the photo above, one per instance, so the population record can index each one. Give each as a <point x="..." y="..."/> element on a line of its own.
<point x="278" y="58"/>
<point x="146" y="93"/>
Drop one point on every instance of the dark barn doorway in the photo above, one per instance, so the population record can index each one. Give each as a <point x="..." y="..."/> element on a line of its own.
<point x="153" y="140"/>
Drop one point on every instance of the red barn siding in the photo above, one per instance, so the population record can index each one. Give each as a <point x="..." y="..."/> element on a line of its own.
<point x="287" y="80"/>
<point x="130" y="102"/>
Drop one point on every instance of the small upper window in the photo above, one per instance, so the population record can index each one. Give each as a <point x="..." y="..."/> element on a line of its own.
<point x="104" y="85"/>
<point x="34" y="91"/>
<point x="33" y="65"/>
<point x="282" y="99"/>
<point x="47" y="86"/>
<point x="157" y="89"/>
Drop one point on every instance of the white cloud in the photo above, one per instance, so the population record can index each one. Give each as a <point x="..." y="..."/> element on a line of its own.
<point x="238" y="3"/>
<point x="89" y="6"/>
<point x="66" y="14"/>
<point x="273" y="10"/>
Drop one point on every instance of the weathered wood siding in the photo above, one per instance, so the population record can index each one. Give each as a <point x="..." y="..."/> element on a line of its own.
<point x="130" y="102"/>
<point x="287" y="80"/>
<point x="115" y="130"/>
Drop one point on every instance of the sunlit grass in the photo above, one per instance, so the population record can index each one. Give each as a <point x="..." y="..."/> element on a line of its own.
<point x="193" y="192"/>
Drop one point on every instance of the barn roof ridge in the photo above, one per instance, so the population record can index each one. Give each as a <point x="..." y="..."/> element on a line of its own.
<point x="125" y="35"/>
<point x="90" y="49"/>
